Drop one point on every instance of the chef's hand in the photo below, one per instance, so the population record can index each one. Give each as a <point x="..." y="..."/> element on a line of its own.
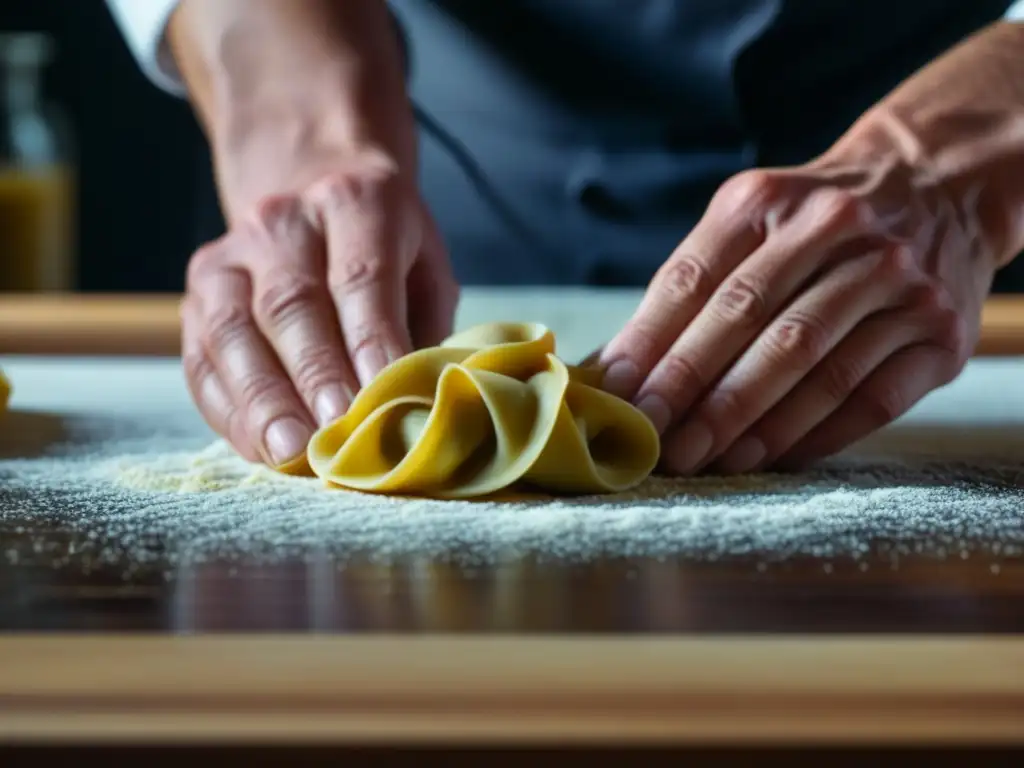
<point x="809" y="307"/>
<point x="332" y="265"/>
<point x="309" y="294"/>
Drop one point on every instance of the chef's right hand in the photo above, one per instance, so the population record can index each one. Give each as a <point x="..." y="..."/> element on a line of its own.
<point x="309" y="294"/>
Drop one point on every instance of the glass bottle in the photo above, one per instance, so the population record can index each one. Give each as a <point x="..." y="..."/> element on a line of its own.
<point x="37" y="211"/>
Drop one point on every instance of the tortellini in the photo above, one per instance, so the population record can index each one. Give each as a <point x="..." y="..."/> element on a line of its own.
<point x="491" y="409"/>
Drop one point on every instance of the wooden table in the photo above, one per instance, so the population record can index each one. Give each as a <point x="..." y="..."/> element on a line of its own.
<point x="626" y="652"/>
<point x="93" y="324"/>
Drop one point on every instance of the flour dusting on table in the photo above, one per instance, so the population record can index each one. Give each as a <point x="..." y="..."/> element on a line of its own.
<point x="110" y="457"/>
<point x="128" y="497"/>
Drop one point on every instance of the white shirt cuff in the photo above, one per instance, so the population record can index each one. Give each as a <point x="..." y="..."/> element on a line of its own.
<point x="143" y="24"/>
<point x="1015" y="12"/>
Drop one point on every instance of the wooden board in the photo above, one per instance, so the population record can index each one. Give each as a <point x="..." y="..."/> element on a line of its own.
<point x="543" y="690"/>
<point x="89" y="324"/>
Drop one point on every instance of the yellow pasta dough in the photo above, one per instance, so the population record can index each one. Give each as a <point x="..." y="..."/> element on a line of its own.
<point x="490" y="408"/>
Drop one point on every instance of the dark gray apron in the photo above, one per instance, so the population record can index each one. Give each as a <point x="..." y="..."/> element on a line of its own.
<point x="578" y="141"/>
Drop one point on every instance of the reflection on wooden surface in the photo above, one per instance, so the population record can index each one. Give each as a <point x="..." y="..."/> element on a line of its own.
<point x="611" y="597"/>
<point x="875" y="594"/>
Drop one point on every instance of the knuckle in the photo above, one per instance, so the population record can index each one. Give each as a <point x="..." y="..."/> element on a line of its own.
<point x="681" y="374"/>
<point x="896" y="265"/>
<point x="932" y="299"/>
<point x="276" y="215"/>
<point x="347" y="189"/>
<point x="685" y="279"/>
<point x="363" y="336"/>
<point x="799" y="338"/>
<point x="642" y="331"/>
<point x="840" y="376"/>
<point x="285" y="298"/>
<point x="258" y="388"/>
<point x="315" y="368"/>
<point x="754" y="188"/>
<point x="225" y="322"/>
<point x="741" y="302"/>
<point x="198" y="367"/>
<point x="883" y="404"/>
<point x="725" y="403"/>
<point x="341" y="189"/>
<point x="205" y="259"/>
<point x="352" y="275"/>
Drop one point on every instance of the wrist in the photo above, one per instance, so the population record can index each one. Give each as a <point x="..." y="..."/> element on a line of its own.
<point x="331" y="110"/>
<point x="282" y="87"/>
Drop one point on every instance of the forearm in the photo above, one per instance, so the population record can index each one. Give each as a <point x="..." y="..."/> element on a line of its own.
<point x="959" y="124"/>
<point x="296" y="71"/>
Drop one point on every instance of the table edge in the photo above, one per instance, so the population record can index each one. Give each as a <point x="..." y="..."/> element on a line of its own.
<point x="540" y="689"/>
<point x="148" y="324"/>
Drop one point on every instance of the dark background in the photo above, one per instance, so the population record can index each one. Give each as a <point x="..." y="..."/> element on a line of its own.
<point x="141" y="156"/>
<point x="140" y="151"/>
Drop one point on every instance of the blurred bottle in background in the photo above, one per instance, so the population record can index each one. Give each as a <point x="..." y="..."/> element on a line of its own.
<point x="37" y="180"/>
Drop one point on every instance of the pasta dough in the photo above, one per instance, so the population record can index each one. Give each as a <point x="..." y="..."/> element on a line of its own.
<point x="490" y="408"/>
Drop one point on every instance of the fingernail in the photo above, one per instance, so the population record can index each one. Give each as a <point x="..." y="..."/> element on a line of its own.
<point x="331" y="403"/>
<point x="657" y="410"/>
<point x="621" y="379"/>
<point x="286" y="438"/>
<point x="689" y="446"/>
<point x="371" y="362"/>
<point x="745" y="454"/>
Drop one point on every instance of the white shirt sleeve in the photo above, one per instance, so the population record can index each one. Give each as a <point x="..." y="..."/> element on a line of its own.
<point x="1015" y="12"/>
<point x="143" y="24"/>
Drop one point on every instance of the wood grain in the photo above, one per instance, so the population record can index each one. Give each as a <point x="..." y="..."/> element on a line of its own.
<point x="472" y="690"/>
<point x="89" y="324"/>
<point x="93" y="324"/>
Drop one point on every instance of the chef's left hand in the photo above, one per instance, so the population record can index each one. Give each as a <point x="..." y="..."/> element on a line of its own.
<point x="809" y="307"/>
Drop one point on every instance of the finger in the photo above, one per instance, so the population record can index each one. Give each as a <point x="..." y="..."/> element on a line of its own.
<point x="433" y="293"/>
<point x="821" y="393"/>
<point x="925" y="316"/>
<point x="205" y="386"/>
<point x="292" y="307"/>
<point x="370" y="250"/>
<point x="274" y="417"/>
<point x="791" y="346"/>
<point x="732" y="228"/>
<point x="747" y="301"/>
<point x="888" y="393"/>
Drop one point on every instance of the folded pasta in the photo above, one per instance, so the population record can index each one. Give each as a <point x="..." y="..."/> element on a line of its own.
<point x="490" y="409"/>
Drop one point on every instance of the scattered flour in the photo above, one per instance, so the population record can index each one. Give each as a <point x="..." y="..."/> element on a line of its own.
<point x="159" y="490"/>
